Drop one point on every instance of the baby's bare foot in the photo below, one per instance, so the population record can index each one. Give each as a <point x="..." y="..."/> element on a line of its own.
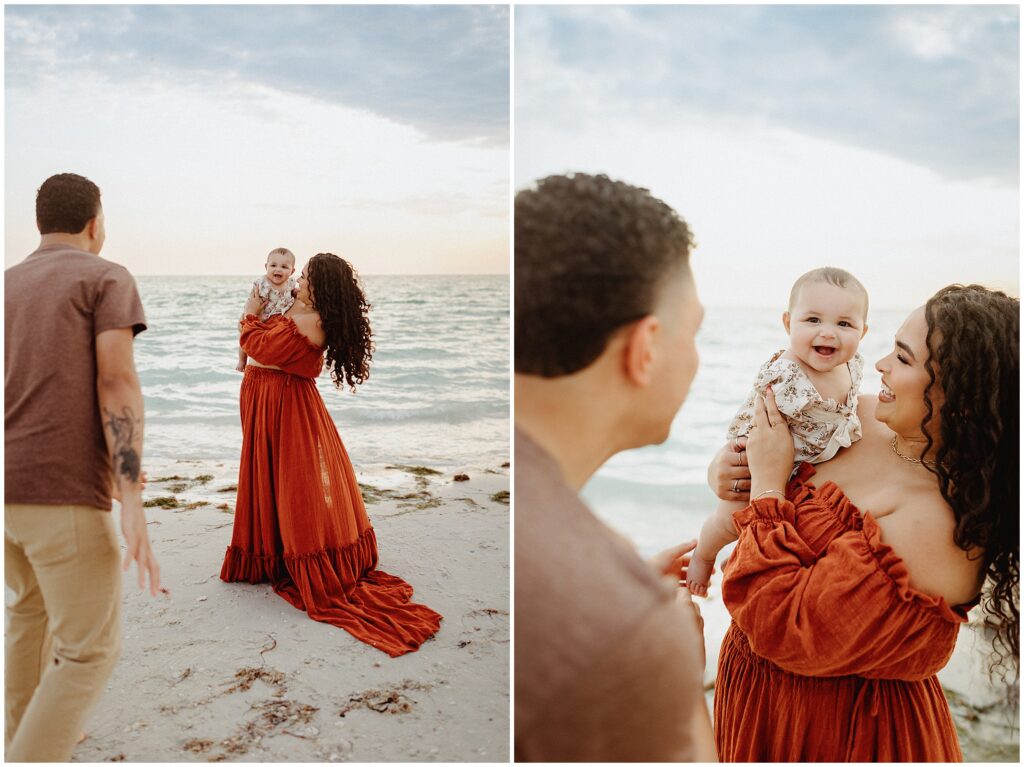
<point x="697" y="589"/>
<point x="698" y="576"/>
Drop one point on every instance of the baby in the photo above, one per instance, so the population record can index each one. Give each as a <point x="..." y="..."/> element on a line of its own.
<point x="815" y="383"/>
<point x="277" y="286"/>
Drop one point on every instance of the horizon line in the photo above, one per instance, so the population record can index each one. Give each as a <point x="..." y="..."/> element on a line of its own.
<point x="361" y="274"/>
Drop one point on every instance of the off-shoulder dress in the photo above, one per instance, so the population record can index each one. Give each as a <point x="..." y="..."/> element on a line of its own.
<point x="300" y="522"/>
<point x="832" y="654"/>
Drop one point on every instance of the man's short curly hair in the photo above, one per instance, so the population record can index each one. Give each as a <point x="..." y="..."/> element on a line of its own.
<point x="65" y="203"/>
<point x="591" y="255"/>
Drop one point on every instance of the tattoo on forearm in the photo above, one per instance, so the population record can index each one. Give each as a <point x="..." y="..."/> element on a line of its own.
<point x="122" y="429"/>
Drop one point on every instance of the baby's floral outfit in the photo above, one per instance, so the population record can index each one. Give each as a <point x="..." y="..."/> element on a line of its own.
<point x="279" y="301"/>
<point x="819" y="426"/>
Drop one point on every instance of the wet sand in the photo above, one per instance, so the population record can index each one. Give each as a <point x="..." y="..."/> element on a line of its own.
<point x="232" y="672"/>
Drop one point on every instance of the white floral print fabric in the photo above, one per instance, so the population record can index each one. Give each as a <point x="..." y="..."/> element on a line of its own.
<point x="819" y="426"/>
<point x="279" y="301"/>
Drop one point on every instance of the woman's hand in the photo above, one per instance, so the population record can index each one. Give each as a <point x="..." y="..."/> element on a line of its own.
<point x="728" y="474"/>
<point x="769" y="447"/>
<point x="255" y="303"/>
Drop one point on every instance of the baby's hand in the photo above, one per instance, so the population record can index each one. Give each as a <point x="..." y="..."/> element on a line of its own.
<point x="698" y="575"/>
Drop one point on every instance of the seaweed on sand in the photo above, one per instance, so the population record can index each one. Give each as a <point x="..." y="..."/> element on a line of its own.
<point x="419" y="471"/>
<point x="388" y="701"/>
<point x="415" y="501"/>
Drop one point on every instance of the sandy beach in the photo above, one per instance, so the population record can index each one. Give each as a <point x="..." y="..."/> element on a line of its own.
<point x="232" y="672"/>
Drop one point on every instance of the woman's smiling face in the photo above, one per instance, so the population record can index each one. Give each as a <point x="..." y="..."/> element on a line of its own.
<point x="901" y="404"/>
<point x="304" y="292"/>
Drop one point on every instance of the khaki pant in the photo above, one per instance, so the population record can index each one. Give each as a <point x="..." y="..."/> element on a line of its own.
<point x="64" y="626"/>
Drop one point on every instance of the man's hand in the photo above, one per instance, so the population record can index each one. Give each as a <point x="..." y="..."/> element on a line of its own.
<point x="689" y="607"/>
<point x="136" y="536"/>
<point x="120" y="404"/>
<point x="674" y="562"/>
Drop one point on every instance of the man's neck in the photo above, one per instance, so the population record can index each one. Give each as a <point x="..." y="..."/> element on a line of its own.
<point x="79" y="241"/>
<point x="565" y="417"/>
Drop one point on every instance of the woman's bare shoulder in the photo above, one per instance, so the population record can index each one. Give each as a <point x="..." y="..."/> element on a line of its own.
<point x="920" y="531"/>
<point x="308" y="323"/>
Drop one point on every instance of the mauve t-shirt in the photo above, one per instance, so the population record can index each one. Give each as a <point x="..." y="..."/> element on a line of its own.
<point x="608" y="664"/>
<point x="55" y="303"/>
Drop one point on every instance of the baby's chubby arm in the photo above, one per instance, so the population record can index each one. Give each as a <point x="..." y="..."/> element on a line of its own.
<point x="717" y="533"/>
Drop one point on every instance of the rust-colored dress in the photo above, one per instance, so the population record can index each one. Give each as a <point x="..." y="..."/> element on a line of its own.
<point x="831" y="655"/>
<point x="300" y="522"/>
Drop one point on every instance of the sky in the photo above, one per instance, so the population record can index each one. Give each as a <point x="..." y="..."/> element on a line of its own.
<point x="217" y="133"/>
<point x="883" y="140"/>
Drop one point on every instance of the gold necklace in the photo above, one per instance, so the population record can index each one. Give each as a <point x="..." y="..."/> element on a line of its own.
<point x="907" y="458"/>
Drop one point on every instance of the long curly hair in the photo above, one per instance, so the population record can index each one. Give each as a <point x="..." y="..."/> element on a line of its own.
<point x="338" y="298"/>
<point x="973" y="348"/>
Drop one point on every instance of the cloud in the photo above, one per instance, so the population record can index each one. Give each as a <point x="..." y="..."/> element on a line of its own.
<point x="934" y="86"/>
<point x="442" y="69"/>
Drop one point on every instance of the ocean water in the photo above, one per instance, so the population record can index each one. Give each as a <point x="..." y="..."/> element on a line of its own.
<point x="658" y="495"/>
<point x="438" y="392"/>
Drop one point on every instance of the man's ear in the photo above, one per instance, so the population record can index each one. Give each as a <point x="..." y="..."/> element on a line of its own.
<point x="785" y="321"/>
<point x="638" y="352"/>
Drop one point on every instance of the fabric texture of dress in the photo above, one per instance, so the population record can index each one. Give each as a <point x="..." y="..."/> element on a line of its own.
<point x="831" y="655"/>
<point x="819" y="426"/>
<point x="300" y="522"/>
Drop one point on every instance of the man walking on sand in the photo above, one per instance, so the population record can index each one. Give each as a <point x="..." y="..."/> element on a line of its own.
<point x="608" y="651"/>
<point x="73" y="434"/>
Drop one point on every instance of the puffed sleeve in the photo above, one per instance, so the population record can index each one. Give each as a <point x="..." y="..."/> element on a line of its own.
<point x="845" y="609"/>
<point x="275" y="342"/>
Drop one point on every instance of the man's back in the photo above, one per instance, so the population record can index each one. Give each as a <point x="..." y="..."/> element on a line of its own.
<point x="607" y="666"/>
<point x="56" y="301"/>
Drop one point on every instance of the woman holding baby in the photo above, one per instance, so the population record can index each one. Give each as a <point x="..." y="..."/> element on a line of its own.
<point x="300" y="522"/>
<point x="851" y="578"/>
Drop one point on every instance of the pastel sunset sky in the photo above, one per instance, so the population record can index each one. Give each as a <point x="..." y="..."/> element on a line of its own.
<point x="880" y="139"/>
<point x="217" y="133"/>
